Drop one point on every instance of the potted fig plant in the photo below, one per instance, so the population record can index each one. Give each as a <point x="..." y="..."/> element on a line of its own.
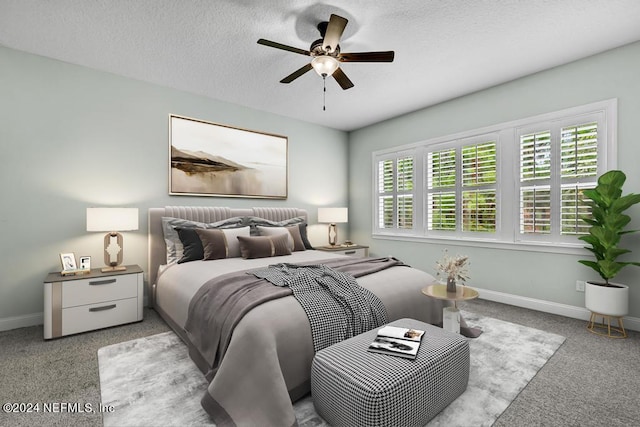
<point x="608" y="224"/>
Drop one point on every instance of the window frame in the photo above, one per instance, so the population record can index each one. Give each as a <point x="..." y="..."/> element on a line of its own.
<point x="507" y="186"/>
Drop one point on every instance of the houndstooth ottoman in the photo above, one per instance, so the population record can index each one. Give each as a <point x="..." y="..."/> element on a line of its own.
<point x="353" y="387"/>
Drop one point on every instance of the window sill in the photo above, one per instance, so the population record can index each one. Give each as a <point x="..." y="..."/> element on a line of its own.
<point x="558" y="248"/>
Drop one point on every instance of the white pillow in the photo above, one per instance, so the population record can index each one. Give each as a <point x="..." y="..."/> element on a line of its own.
<point x="233" y="245"/>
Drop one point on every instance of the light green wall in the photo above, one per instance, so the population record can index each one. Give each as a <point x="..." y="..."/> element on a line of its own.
<point x="72" y="137"/>
<point x="548" y="277"/>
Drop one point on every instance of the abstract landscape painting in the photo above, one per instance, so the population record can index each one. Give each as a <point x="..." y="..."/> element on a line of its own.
<point x="209" y="159"/>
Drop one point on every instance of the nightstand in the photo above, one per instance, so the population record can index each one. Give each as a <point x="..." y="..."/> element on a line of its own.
<point x="74" y="304"/>
<point x="351" y="250"/>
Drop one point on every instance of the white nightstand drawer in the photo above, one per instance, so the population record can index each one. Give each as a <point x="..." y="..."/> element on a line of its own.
<point x="101" y="315"/>
<point x="94" y="290"/>
<point x="354" y="252"/>
<point x="351" y="250"/>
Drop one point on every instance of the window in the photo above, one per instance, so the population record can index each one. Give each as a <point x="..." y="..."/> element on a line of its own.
<point x="558" y="160"/>
<point x="520" y="182"/>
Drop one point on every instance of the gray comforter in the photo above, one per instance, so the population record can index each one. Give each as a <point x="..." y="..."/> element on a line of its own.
<point x="267" y="361"/>
<point x="222" y="302"/>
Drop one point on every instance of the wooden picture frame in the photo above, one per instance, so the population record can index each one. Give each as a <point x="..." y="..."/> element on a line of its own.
<point x="210" y="159"/>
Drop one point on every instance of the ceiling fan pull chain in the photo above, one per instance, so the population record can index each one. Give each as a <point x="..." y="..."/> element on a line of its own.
<point x="324" y="92"/>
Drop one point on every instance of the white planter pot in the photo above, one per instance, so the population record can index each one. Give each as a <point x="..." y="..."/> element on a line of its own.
<point x="607" y="300"/>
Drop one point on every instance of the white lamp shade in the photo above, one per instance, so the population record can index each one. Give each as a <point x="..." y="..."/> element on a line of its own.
<point x="333" y="215"/>
<point x="112" y="219"/>
<point x="325" y="64"/>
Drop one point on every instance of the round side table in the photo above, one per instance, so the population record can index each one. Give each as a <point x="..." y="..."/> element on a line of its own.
<point x="451" y="318"/>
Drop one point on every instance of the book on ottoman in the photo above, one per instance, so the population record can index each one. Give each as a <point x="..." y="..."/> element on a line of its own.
<point x="401" y="342"/>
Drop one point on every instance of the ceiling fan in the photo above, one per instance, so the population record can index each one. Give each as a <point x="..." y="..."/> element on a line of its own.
<point x="326" y="55"/>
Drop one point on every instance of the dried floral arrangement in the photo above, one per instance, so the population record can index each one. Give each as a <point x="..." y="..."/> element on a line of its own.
<point x="453" y="267"/>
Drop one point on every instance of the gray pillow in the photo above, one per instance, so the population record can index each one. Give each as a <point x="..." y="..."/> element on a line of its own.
<point x="254" y="222"/>
<point x="172" y="240"/>
<point x="264" y="246"/>
<point x="293" y="232"/>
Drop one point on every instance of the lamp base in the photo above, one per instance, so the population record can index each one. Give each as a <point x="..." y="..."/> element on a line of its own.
<point x="111" y="269"/>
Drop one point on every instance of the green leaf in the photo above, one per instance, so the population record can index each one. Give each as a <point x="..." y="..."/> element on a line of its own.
<point x="616" y="221"/>
<point x="591" y="264"/>
<point x="609" y="269"/>
<point x="625" y="202"/>
<point x="629" y="231"/>
<point x="606" y="238"/>
<point x="608" y="194"/>
<point x="595" y="196"/>
<point x="613" y="177"/>
<point x="614" y="253"/>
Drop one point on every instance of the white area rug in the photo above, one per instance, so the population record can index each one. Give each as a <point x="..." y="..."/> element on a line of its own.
<point x="152" y="381"/>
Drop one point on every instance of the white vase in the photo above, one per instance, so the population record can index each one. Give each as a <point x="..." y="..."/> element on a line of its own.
<point x="607" y="300"/>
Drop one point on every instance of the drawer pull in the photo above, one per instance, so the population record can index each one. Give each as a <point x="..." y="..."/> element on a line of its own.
<point x="349" y="252"/>
<point x="102" y="282"/>
<point x="103" y="308"/>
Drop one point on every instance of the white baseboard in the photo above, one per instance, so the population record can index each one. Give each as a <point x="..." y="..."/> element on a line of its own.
<point x="23" y="321"/>
<point x="631" y="323"/>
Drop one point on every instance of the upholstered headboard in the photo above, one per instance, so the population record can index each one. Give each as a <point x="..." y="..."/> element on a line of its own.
<point x="157" y="246"/>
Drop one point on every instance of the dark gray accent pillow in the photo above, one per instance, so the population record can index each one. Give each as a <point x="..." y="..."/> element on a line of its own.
<point x="264" y="246"/>
<point x="192" y="246"/>
<point x="303" y="235"/>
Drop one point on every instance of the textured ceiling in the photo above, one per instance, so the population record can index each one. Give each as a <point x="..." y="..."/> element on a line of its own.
<point x="444" y="49"/>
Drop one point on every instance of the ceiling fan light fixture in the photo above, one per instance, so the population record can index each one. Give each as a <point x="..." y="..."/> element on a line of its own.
<point x="325" y="65"/>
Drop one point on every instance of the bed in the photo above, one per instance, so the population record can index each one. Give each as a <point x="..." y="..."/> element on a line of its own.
<point x="266" y="363"/>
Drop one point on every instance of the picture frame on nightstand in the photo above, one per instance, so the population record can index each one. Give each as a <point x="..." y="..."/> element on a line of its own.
<point x="85" y="263"/>
<point x="68" y="261"/>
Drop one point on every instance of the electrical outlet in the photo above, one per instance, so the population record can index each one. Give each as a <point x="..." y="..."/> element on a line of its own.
<point x="579" y="285"/>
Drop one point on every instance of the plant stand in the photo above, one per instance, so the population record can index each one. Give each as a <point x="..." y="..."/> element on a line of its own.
<point x="600" y="328"/>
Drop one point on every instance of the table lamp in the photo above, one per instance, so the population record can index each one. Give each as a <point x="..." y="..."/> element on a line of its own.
<point x="333" y="216"/>
<point x="112" y="220"/>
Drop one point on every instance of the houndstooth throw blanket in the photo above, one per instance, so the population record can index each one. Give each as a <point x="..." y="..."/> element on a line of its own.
<point x="337" y="307"/>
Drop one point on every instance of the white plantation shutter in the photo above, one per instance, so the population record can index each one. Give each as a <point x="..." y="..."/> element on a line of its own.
<point x="479" y="164"/>
<point x="579" y="150"/>
<point x="442" y="211"/>
<point x="479" y="210"/>
<point x="579" y="169"/>
<point x="441" y="201"/>
<point x="535" y="209"/>
<point x="479" y="172"/>
<point x="572" y="208"/>
<point x="535" y="156"/>
<point x="395" y="184"/>
<point x="556" y="165"/>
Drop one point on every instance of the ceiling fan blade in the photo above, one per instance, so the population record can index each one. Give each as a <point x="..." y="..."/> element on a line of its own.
<point x="334" y="32"/>
<point x="342" y="79"/>
<point x="300" y="71"/>
<point x="367" y="57"/>
<point x="284" y="47"/>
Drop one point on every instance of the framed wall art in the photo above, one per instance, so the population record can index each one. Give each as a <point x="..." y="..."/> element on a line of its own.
<point x="210" y="159"/>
